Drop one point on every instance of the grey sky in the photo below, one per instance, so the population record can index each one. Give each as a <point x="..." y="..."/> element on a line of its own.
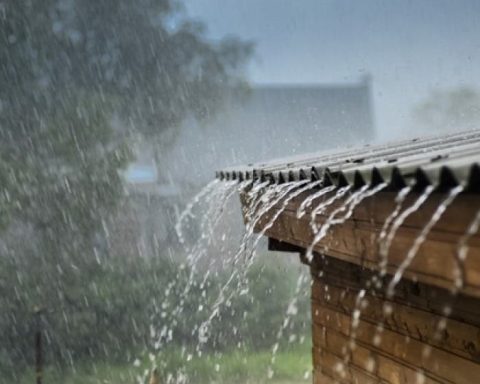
<point x="409" y="47"/>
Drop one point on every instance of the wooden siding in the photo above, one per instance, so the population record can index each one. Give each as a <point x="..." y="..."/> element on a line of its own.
<point x="413" y="348"/>
<point x="356" y="240"/>
<point x="410" y="341"/>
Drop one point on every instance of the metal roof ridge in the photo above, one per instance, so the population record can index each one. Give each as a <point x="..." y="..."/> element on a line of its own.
<point x="439" y="160"/>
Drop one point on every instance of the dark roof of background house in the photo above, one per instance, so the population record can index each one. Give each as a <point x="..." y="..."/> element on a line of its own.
<point x="444" y="161"/>
<point x="273" y="121"/>
<point x="338" y="111"/>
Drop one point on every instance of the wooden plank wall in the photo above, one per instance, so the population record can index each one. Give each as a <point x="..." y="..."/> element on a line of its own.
<point x="399" y="340"/>
<point x="356" y="240"/>
<point x="416" y="344"/>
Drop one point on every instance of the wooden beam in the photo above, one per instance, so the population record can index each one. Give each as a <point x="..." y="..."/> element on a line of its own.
<point x="281" y="246"/>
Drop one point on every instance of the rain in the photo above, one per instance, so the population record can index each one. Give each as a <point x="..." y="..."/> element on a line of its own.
<point x="264" y="191"/>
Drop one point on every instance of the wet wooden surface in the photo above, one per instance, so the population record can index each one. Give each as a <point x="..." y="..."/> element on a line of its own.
<point x="390" y="346"/>
<point x="400" y="339"/>
<point x="357" y="240"/>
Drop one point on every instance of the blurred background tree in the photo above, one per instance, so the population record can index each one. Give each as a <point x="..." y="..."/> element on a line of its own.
<point x="79" y="78"/>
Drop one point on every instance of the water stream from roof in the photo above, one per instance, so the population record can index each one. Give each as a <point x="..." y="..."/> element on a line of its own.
<point x="272" y="195"/>
<point x="420" y="239"/>
<point x="187" y="212"/>
<point x="288" y="195"/>
<point x="215" y="205"/>
<point x="207" y="199"/>
<point x="261" y="202"/>
<point x="307" y="202"/>
<point x="397" y="223"/>
<point x="320" y="208"/>
<point x="335" y="218"/>
<point x="462" y="253"/>
<point x="382" y="238"/>
<point x="397" y="218"/>
<point x="260" y="199"/>
<point x="207" y="209"/>
<point x="264" y="203"/>
<point x="374" y="282"/>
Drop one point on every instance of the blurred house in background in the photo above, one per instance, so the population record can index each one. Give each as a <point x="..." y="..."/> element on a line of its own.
<point x="270" y="121"/>
<point x="273" y="121"/>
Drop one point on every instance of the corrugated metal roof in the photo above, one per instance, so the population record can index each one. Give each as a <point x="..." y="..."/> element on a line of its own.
<point x="444" y="161"/>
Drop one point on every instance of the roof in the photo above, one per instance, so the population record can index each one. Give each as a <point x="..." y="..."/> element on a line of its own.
<point x="443" y="161"/>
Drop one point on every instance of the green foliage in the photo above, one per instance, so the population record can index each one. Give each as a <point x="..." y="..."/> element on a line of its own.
<point x="246" y="366"/>
<point x="108" y="315"/>
<point x="76" y="77"/>
<point x="249" y="367"/>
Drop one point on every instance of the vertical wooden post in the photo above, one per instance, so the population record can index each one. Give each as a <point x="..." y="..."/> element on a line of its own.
<point x="38" y="346"/>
